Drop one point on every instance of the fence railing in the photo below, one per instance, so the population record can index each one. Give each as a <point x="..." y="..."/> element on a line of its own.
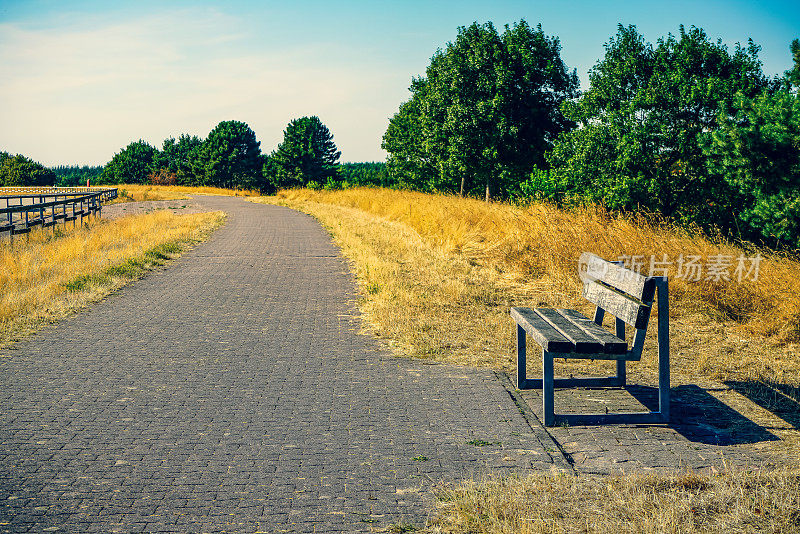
<point x="29" y="207"/>
<point x="110" y="193"/>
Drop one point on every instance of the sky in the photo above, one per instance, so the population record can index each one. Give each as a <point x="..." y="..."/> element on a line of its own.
<point x="81" y="80"/>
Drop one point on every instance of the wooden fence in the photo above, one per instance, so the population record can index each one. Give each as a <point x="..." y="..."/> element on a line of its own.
<point x="29" y="207"/>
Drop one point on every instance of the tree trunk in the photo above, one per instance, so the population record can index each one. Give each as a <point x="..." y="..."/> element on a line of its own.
<point x="463" y="183"/>
<point x="488" y="190"/>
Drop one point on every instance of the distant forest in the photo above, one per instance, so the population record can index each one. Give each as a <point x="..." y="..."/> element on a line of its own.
<point x="76" y="175"/>
<point x="683" y="127"/>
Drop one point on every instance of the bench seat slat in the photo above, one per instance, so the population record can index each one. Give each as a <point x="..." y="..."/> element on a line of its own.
<point x="584" y="343"/>
<point x="611" y="343"/>
<point x="541" y="331"/>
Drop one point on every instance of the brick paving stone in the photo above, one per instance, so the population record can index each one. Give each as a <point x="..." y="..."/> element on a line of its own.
<point x="231" y="392"/>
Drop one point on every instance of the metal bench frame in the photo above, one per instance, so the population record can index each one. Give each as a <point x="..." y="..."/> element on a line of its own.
<point x="548" y="382"/>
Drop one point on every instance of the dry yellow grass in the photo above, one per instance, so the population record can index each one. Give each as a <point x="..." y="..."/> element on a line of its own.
<point x="138" y="192"/>
<point x="438" y="274"/>
<point x="560" y="503"/>
<point x="53" y="273"/>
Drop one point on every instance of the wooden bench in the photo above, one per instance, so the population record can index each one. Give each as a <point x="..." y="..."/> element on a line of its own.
<point x="629" y="297"/>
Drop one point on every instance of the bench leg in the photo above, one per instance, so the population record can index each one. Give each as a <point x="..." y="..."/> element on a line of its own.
<point x="521" y="358"/>
<point x="622" y="379"/>
<point x="663" y="350"/>
<point x="548" y="393"/>
<point x="621" y="373"/>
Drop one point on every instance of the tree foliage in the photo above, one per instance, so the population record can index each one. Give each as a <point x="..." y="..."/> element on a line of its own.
<point x="364" y="174"/>
<point x="412" y="160"/>
<point x="18" y="170"/>
<point x="687" y="129"/>
<point x="307" y="154"/>
<point x="179" y="157"/>
<point x="793" y="74"/>
<point x="642" y="122"/>
<point x="230" y="157"/>
<point x="131" y="165"/>
<point x="76" y="175"/>
<point x="485" y="112"/>
<point x="756" y="152"/>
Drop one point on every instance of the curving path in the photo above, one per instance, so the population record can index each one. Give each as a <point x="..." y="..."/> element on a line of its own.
<point x="232" y="392"/>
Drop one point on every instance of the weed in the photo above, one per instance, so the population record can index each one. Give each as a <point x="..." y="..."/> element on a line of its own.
<point x="402" y="528"/>
<point x="420" y="458"/>
<point x="482" y="443"/>
<point x="87" y="281"/>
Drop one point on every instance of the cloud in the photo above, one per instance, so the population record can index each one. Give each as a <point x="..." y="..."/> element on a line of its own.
<point x="79" y="93"/>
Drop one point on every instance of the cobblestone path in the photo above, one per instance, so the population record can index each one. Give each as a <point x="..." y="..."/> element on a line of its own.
<point x="231" y="391"/>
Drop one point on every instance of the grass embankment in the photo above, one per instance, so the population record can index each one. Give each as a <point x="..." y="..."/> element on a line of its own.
<point x="55" y="272"/>
<point x="138" y="192"/>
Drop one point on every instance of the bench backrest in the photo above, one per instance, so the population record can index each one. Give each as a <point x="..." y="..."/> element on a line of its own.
<point x="621" y="292"/>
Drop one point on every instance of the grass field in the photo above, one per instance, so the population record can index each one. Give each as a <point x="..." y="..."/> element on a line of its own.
<point x="437" y="275"/>
<point x="55" y="272"/>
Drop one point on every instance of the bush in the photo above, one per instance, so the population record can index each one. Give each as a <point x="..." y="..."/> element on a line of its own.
<point x="163" y="177"/>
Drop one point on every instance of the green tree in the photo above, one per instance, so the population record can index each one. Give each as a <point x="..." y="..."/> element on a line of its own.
<point x="411" y="163"/>
<point x="485" y="113"/>
<point x="307" y="154"/>
<point x="230" y="157"/>
<point x="76" y="175"/>
<point x="793" y="74"/>
<point x="364" y="174"/>
<point x="642" y="122"/>
<point x="131" y="165"/>
<point x="180" y="158"/>
<point x="16" y="171"/>
<point x="756" y="151"/>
